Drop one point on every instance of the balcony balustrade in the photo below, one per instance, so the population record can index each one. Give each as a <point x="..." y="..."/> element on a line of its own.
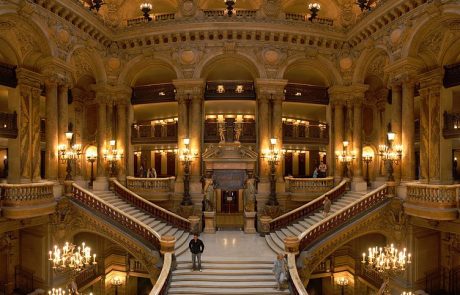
<point x="27" y="200"/>
<point x="434" y="202"/>
<point x="155" y="18"/>
<point x="8" y="125"/>
<point x="301" y="188"/>
<point x="304" y="18"/>
<point x="240" y="13"/>
<point x="152" y="189"/>
<point x="451" y="125"/>
<point x="159" y="133"/>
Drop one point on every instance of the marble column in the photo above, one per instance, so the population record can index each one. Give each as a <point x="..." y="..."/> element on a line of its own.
<point x="63" y="123"/>
<point x="130" y="149"/>
<point x="357" y="145"/>
<point x="424" y="135"/>
<point x="51" y="155"/>
<point x="109" y="127"/>
<point x="396" y="119"/>
<point x="196" y="127"/>
<point x="277" y="131"/>
<point x="182" y="130"/>
<point x="101" y="137"/>
<point x="122" y="133"/>
<point x="382" y="129"/>
<point x="338" y="139"/>
<point x="408" y="131"/>
<point x="264" y="137"/>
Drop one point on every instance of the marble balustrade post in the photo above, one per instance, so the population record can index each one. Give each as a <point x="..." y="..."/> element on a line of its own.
<point x="51" y="129"/>
<point x="408" y="131"/>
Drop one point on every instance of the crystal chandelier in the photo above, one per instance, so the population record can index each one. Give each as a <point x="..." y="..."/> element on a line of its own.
<point x="314" y="9"/>
<point x="96" y="4"/>
<point x="71" y="257"/>
<point x="364" y="4"/>
<point x="229" y="4"/>
<point x="146" y="8"/>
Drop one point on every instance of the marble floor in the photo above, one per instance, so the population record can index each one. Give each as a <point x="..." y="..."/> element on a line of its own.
<point x="233" y="244"/>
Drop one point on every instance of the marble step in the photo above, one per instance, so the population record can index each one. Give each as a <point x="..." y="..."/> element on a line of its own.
<point x="221" y="291"/>
<point x="277" y="240"/>
<point x="223" y="284"/>
<point x="272" y="244"/>
<point x="222" y="272"/>
<point x="222" y="266"/>
<point x="243" y="277"/>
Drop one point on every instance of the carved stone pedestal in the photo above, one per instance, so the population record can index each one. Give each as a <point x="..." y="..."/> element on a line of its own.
<point x="291" y="244"/>
<point x="249" y="222"/>
<point x="391" y="189"/>
<point x="209" y="222"/>
<point x="167" y="244"/>
<point x="194" y="224"/>
<point x="265" y="224"/>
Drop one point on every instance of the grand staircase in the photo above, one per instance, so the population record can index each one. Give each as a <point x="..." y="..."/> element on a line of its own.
<point x="225" y="276"/>
<point x="161" y="227"/>
<point x="275" y="238"/>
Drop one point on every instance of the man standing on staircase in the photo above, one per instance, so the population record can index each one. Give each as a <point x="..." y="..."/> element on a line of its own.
<point x="196" y="246"/>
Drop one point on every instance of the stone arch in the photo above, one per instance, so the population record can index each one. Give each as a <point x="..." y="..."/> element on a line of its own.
<point x="451" y="53"/>
<point x="241" y="59"/>
<point x="132" y="69"/>
<point x="365" y="60"/>
<point x="8" y="53"/>
<point x="87" y="62"/>
<point x="427" y="31"/>
<point x="324" y="67"/>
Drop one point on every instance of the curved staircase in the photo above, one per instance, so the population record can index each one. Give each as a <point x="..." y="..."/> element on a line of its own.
<point x="296" y="228"/>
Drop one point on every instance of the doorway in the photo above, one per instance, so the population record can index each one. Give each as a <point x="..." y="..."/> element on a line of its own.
<point x="229" y="202"/>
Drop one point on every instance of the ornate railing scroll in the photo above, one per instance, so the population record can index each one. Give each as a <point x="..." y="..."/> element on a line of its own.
<point x="436" y="202"/>
<point x="27" y="200"/>
<point x="333" y="222"/>
<point x="112" y="213"/>
<point x="308" y="208"/>
<point x="152" y="209"/>
<point x="162" y="284"/>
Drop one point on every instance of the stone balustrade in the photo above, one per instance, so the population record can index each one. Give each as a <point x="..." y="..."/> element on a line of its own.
<point x="305" y="189"/>
<point x="152" y="189"/>
<point x="436" y="202"/>
<point x="162" y="283"/>
<point x="155" y="18"/>
<point x="27" y="200"/>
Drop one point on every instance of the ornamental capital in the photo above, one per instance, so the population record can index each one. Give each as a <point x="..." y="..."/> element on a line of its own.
<point x="270" y="88"/>
<point x="189" y="88"/>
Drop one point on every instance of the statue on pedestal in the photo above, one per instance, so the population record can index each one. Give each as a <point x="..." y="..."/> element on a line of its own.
<point x="250" y="194"/>
<point x="208" y="193"/>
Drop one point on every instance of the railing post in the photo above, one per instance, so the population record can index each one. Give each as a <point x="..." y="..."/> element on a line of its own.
<point x="167" y="244"/>
<point x="265" y="224"/>
<point x="391" y="189"/>
<point x="291" y="244"/>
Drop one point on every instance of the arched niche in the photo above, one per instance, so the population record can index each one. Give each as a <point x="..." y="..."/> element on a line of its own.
<point x="225" y="67"/>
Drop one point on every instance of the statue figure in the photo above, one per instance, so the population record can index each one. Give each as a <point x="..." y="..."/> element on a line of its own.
<point x="250" y="194"/>
<point x="222" y="132"/>
<point x="209" y="193"/>
<point x="238" y="130"/>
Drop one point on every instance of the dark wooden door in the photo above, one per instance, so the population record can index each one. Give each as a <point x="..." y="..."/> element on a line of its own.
<point x="302" y="165"/>
<point x="158" y="163"/>
<point x="288" y="164"/>
<point x="171" y="164"/>
<point x="229" y="202"/>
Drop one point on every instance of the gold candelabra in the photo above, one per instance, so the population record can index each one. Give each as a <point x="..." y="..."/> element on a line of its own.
<point x="390" y="154"/>
<point x="71" y="257"/>
<point x="345" y="157"/>
<point x="113" y="155"/>
<point x="272" y="155"/>
<point x="69" y="153"/>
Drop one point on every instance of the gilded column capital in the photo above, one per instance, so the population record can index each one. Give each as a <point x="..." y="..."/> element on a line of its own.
<point x="341" y="95"/>
<point x="56" y="69"/>
<point x="270" y="88"/>
<point x="401" y="69"/>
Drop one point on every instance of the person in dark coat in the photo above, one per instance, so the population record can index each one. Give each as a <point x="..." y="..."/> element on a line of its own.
<point x="196" y="246"/>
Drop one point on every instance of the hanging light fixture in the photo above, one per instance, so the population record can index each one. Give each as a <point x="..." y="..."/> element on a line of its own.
<point x="96" y="4"/>
<point x="146" y="8"/>
<point x="364" y="4"/>
<point x="314" y="9"/>
<point x="230" y="4"/>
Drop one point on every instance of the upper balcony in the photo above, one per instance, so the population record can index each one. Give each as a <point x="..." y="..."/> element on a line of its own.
<point x="154" y="132"/>
<point x="451" y="125"/>
<point x="8" y="125"/>
<point x="304" y="132"/>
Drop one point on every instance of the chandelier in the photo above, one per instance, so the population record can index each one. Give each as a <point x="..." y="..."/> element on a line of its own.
<point x="71" y="257"/>
<point x="364" y="4"/>
<point x="146" y="8"/>
<point x="229" y="4"/>
<point x="96" y="4"/>
<point x="113" y="155"/>
<point x="314" y="9"/>
<point x="345" y="157"/>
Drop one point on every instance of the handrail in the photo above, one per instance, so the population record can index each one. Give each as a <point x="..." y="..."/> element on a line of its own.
<point x="333" y="221"/>
<point x="295" y="184"/>
<point x="308" y="208"/>
<point x="156" y="211"/>
<point x="160" y="184"/>
<point x="162" y="283"/>
<point x="297" y="287"/>
<point x="92" y="201"/>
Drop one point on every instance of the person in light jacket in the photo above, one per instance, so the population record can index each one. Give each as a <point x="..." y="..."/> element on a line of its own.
<point x="280" y="271"/>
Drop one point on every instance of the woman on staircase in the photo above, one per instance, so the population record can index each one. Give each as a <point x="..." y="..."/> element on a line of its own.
<point x="280" y="270"/>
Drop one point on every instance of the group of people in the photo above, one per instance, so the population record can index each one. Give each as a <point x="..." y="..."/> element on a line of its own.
<point x="149" y="173"/>
<point x="320" y="171"/>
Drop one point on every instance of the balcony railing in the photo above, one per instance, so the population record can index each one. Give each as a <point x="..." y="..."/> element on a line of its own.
<point x="159" y="133"/>
<point x="451" y="125"/>
<point x="155" y="18"/>
<point x="150" y="208"/>
<point x="309" y="208"/>
<point x="308" y="186"/>
<point x="86" y="276"/>
<point x="305" y="134"/>
<point x="8" y="75"/>
<point x="8" y="125"/>
<point x="27" y="200"/>
<point x="435" y="202"/>
<point x="240" y="13"/>
<point x="304" y="18"/>
<point x="152" y="189"/>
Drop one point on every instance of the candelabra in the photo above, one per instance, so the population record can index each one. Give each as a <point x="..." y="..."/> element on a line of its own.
<point x="96" y="4"/>
<point x="345" y="157"/>
<point x="407" y="293"/>
<point x="390" y="154"/>
<point x="364" y="4"/>
<point x="229" y="4"/>
<point x="71" y="257"/>
<point x="91" y="156"/>
<point x="116" y="282"/>
<point x="367" y="158"/>
<point x="186" y="157"/>
<point x="69" y="153"/>
<point x="55" y="291"/>
<point x="112" y="155"/>
<point x="272" y="156"/>
<point x="314" y="9"/>
<point x="386" y="261"/>
<point x="146" y="8"/>
<point x="342" y="282"/>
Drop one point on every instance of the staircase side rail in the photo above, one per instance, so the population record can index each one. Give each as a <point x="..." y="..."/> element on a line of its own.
<point x="334" y="221"/>
<point x="295" y="282"/>
<point x="157" y="184"/>
<point x="95" y="203"/>
<point x="155" y="210"/>
<point x="294" y="184"/>
<point x="341" y="217"/>
<point x="291" y="216"/>
<point x="161" y="285"/>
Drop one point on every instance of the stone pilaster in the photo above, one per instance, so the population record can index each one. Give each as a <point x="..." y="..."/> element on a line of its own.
<point x="396" y="121"/>
<point x="130" y="149"/>
<point x="382" y="128"/>
<point x="338" y="95"/>
<point x="101" y="135"/>
<point x="63" y="120"/>
<point x="359" y="90"/>
<point x="277" y="125"/>
<point x="408" y="130"/>
<point x="51" y="155"/>
<point x="123" y="140"/>
<point x="28" y="125"/>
